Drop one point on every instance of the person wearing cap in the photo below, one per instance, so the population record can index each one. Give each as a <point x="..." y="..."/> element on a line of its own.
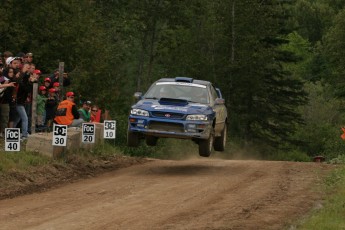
<point x="56" y="86"/>
<point x="13" y="62"/>
<point x="67" y="112"/>
<point x="47" y="82"/>
<point x="84" y="111"/>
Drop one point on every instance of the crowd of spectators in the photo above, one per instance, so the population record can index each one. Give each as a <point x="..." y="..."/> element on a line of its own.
<point x="18" y="74"/>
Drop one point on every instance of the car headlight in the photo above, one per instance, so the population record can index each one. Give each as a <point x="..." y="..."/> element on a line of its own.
<point x="197" y="117"/>
<point x="140" y="112"/>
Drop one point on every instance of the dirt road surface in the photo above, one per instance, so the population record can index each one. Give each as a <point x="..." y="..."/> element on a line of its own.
<point x="166" y="194"/>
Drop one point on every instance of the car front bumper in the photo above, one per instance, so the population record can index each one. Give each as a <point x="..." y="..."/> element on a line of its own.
<point x="170" y="128"/>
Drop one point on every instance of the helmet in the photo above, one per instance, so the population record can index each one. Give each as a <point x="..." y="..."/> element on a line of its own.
<point x="42" y="87"/>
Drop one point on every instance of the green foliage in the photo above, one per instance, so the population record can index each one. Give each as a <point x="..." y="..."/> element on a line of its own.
<point x="331" y="215"/>
<point x="292" y="155"/>
<point x="340" y="159"/>
<point x="320" y="135"/>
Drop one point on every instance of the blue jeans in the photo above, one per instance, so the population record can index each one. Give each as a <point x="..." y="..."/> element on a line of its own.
<point x="24" y="118"/>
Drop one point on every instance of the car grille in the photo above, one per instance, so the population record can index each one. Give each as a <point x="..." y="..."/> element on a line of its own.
<point x="168" y="127"/>
<point x="168" y="115"/>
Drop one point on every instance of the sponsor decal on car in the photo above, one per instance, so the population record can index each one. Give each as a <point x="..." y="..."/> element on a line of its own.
<point x="164" y="107"/>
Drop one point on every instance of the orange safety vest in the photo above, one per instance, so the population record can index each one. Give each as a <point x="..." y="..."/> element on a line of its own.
<point x="64" y="114"/>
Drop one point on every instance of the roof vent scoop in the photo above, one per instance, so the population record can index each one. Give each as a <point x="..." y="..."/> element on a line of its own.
<point x="184" y="79"/>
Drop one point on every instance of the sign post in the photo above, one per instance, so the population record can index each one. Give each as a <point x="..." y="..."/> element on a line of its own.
<point x="60" y="135"/>
<point x="12" y="139"/>
<point x="88" y="133"/>
<point x="109" y="129"/>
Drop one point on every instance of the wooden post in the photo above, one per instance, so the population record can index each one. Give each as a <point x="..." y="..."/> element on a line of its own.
<point x="34" y="107"/>
<point x="61" y="71"/>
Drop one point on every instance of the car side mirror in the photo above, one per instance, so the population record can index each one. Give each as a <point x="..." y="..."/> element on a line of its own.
<point x="219" y="101"/>
<point x="138" y="95"/>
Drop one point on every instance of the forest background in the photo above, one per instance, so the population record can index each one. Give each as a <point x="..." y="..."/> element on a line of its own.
<point x="279" y="63"/>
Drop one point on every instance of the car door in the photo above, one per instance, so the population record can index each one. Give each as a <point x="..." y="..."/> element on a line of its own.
<point x="220" y="110"/>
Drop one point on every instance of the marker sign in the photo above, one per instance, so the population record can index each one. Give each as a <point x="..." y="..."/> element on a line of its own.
<point x="59" y="135"/>
<point x="109" y="129"/>
<point x="12" y="139"/>
<point x="88" y="134"/>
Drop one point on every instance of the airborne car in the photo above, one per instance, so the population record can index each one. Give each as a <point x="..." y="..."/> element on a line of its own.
<point x="182" y="108"/>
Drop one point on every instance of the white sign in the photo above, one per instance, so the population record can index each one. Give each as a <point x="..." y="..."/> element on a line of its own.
<point x="60" y="135"/>
<point x="12" y="139"/>
<point x="88" y="134"/>
<point x="109" y="129"/>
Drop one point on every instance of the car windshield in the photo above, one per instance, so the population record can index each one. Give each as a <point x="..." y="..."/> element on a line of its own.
<point x="177" y="90"/>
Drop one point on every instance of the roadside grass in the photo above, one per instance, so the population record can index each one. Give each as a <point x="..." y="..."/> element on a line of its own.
<point x="331" y="216"/>
<point x="22" y="160"/>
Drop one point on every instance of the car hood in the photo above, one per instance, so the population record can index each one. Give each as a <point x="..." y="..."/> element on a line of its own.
<point x="173" y="105"/>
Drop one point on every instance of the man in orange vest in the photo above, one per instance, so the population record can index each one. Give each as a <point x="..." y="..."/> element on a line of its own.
<point x="67" y="112"/>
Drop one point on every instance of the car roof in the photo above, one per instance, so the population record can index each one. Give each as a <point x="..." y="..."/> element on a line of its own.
<point x="185" y="79"/>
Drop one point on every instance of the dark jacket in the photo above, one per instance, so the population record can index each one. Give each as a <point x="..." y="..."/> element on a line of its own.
<point x="24" y="88"/>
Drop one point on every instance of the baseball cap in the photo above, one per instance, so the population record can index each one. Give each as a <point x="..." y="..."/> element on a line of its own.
<point x="37" y="71"/>
<point x="42" y="87"/>
<point x="69" y="94"/>
<point x="47" y="79"/>
<point x="9" y="60"/>
<point x="87" y="103"/>
<point x="52" y="90"/>
<point x="56" y="84"/>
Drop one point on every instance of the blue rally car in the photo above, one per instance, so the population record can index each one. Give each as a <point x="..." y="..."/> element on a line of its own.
<point x="182" y="108"/>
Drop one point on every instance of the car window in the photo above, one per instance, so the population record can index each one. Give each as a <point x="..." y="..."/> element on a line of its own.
<point x="190" y="92"/>
<point x="214" y="93"/>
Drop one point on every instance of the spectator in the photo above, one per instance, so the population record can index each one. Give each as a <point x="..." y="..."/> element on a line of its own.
<point x="84" y="111"/>
<point x="47" y="82"/>
<point x="41" y="105"/>
<point x="28" y="103"/>
<point x="13" y="62"/>
<point x="6" y="54"/>
<point x="55" y="78"/>
<point x="21" y="58"/>
<point x="67" y="112"/>
<point x="6" y="97"/>
<point x="29" y="58"/>
<point x="24" y="88"/>
<point x="56" y="86"/>
<point x="95" y="114"/>
<point x="50" y="106"/>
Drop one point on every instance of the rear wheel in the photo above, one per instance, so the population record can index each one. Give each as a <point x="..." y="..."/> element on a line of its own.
<point x="219" y="142"/>
<point x="133" y="139"/>
<point x="205" y="146"/>
<point x="151" y="140"/>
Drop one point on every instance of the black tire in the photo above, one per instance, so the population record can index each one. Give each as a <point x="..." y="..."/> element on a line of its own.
<point x="205" y="146"/>
<point x="133" y="139"/>
<point x="151" y="140"/>
<point x="220" y="142"/>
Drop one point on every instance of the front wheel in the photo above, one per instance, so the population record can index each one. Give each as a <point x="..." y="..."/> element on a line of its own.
<point x="205" y="146"/>
<point x="219" y="142"/>
<point x="133" y="139"/>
